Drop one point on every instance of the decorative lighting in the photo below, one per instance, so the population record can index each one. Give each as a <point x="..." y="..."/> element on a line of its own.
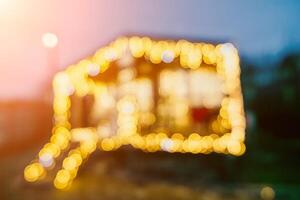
<point x="267" y="193"/>
<point x="207" y="81"/>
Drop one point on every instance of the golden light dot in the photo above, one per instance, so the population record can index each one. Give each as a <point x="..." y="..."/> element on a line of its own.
<point x="60" y="140"/>
<point x="107" y="144"/>
<point x="267" y="193"/>
<point x="234" y="147"/>
<point x="185" y="146"/>
<point x="147" y="43"/>
<point x="63" y="176"/>
<point x="50" y="148"/>
<point x="59" y="185"/>
<point x="137" y="142"/>
<point x="155" y="54"/>
<point x="194" y="136"/>
<point x="49" y="40"/>
<point x="177" y="136"/>
<point x="33" y="172"/>
<point x="243" y="149"/>
<point x="77" y="157"/>
<point x="88" y="147"/>
<point x="136" y="47"/>
<point x="62" y="179"/>
<point x="69" y="163"/>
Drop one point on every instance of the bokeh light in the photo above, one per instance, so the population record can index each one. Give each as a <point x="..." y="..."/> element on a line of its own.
<point x="50" y="40"/>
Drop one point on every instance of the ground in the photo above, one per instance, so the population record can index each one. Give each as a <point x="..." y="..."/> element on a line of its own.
<point x="128" y="174"/>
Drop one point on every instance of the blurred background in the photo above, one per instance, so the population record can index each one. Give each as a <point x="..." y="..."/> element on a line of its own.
<point x="267" y="35"/>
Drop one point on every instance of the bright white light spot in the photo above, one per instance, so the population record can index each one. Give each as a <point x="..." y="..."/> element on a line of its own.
<point x="167" y="56"/>
<point x="93" y="69"/>
<point x="46" y="160"/>
<point x="167" y="144"/>
<point x="227" y="48"/>
<point x="49" y="40"/>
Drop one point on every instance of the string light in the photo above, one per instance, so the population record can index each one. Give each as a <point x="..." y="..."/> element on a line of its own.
<point x="135" y="103"/>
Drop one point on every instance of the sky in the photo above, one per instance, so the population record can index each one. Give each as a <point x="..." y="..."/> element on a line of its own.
<point x="263" y="31"/>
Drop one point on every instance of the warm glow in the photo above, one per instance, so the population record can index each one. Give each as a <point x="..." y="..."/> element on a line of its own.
<point x="267" y="193"/>
<point x="207" y="80"/>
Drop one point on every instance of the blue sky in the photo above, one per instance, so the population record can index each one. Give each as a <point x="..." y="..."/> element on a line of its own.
<point x="257" y="28"/>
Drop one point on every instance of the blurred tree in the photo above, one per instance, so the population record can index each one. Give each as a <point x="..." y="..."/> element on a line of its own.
<point x="277" y="104"/>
